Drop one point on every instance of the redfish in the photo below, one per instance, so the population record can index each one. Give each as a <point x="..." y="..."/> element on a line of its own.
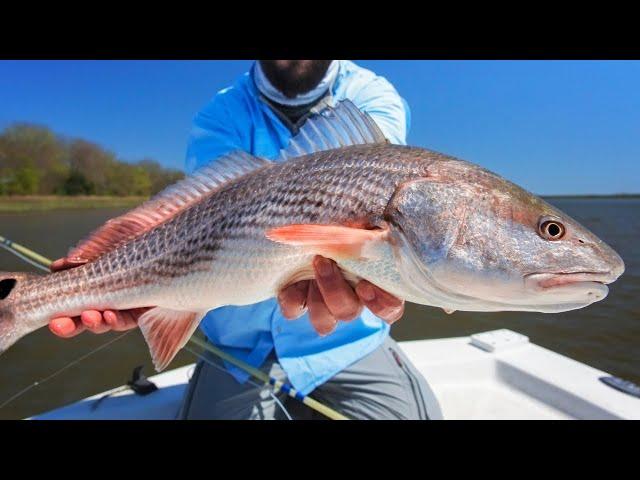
<point x="424" y="226"/>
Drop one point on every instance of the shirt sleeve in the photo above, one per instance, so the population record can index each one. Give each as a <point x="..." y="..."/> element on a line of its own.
<point x="213" y="133"/>
<point x="390" y="111"/>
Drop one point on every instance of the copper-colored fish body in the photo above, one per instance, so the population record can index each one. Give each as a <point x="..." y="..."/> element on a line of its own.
<point x="424" y="226"/>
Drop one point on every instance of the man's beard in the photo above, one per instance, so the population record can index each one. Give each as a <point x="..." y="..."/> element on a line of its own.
<point x="295" y="77"/>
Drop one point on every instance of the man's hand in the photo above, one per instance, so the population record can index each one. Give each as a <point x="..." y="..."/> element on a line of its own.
<point x="329" y="298"/>
<point x="92" y="320"/>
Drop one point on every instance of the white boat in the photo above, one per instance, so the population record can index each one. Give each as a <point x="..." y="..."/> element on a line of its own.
<point x="490" y="375"/>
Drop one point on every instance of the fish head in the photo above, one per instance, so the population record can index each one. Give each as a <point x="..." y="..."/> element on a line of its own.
<point x="467" y="239"/>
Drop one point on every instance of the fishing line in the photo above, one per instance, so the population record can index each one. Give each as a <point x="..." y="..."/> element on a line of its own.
<point x="277" y="384"/>
<point x="24" y="257"/>
<point x="41" y="262"/>
<point x="58" y="372"/>
<point x="271" y="388"/>
<point x="8" y="245"/>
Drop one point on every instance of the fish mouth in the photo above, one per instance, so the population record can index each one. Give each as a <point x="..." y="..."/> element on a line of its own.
<point x="560" y="279"/>
<point x="579" y="288"/>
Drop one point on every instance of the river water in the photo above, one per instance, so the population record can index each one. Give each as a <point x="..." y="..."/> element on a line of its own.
<point x="605" y="335"/>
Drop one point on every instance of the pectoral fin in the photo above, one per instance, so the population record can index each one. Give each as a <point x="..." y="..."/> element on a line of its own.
<point x="166" y="332"/>
<point x="332" y="241"/>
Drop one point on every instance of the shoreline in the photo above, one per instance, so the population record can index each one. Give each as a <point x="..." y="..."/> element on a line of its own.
<point x="613" y="196"/>
<point x="44" y="203"/>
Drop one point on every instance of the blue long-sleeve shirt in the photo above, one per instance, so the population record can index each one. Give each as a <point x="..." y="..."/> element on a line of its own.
<point x="236" y="118"/>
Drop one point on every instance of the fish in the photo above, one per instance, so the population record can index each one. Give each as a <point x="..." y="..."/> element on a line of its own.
<point x="426" y="227"/>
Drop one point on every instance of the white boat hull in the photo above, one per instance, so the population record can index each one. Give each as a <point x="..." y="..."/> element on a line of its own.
<point x="494" y="375"/>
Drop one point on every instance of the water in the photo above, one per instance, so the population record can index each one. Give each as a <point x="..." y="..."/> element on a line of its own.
<point x="605" y="335"/>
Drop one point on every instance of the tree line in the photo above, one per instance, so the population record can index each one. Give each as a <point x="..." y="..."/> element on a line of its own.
<point x="36" y="161"/>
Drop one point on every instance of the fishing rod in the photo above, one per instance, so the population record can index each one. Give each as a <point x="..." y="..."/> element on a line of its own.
<point x="277" y="385"/>
<point x="43" y="263"/>
<point x="22" y="252"/>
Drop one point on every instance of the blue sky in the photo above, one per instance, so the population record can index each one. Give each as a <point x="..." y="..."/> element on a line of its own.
<point x="550" y="126"/>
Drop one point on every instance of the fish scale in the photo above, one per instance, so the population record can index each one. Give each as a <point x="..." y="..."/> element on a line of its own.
<point x="231" y="215"/>
<point x="424" y="226"/>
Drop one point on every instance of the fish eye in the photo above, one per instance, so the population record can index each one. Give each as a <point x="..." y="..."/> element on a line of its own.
<point x="551" y="229"/>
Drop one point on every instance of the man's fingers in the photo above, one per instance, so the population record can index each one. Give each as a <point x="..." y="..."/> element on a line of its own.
<point x="338" y="295"/>
<point x="66" y="263"/>
<point x="118" y="321"/>
<point x="113" y="319"/>
<point x="97" y="322"/>
<point x="293" y="299"/>
<point x="121" y="320"/>
<point x="128" y="319"/>
<point x="321" y="318"/>
<point x="57" y="265"/>
<point x="94" y="321"/>
<point x="66" y="327"/>
<point x="381" y="303"/>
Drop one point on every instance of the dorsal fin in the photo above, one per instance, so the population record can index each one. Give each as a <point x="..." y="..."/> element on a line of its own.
<point x="166" y="204"/>
<point x="333" y="127"/>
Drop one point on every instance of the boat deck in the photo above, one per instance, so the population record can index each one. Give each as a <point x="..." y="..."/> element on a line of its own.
<point x="491" y="375"/>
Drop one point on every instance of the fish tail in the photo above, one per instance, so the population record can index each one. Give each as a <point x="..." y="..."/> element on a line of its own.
<point x="12" y="328"/>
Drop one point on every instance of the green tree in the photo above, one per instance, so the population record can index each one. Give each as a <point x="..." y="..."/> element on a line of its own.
<point x="94" y="163"/>
<point x="140" y="182"/>
<point x="33" y="146"/>
<point x="34" y="160"/>
<point x="126" y="179"/>
<point x="160" y="177"/>
<point x="77" y="184"/>
<point x="23" y="181"/>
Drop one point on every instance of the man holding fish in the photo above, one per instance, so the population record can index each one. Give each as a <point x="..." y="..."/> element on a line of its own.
<point x="339" y="347"/>
<point x="244" y="232"/>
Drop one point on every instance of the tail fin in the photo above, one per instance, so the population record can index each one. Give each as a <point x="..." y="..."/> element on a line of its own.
<point x="11" y="330"/>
